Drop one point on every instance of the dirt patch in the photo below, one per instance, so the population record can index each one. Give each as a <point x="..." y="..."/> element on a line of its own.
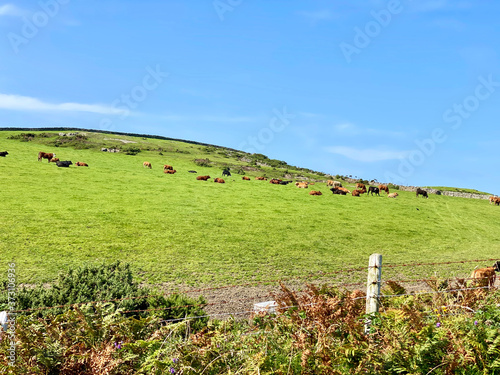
<point x="117" y="139"/>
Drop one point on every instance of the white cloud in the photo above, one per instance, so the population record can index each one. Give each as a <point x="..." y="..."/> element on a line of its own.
<point x="26" y="103"/>
<point x="367" y="155"/>
<point x="208" y="118"/>
<point x="347" y="128"/>
<point x="10" y="10"/>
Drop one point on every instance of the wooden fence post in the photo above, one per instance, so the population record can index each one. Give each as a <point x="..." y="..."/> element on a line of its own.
<point x="373" y="287"/>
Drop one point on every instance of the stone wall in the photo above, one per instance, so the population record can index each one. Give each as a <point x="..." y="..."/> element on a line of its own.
<point x="448" y="193"/>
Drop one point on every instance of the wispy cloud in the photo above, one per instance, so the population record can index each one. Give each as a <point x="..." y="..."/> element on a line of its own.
<point x="367" y="155"/>
<point x="208" y="118"/>
<point x="29" y="104"/>
<point x="347" y="128"/>
<point x="10" y="10"/>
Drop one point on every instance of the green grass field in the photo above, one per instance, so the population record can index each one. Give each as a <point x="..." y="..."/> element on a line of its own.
<point x="172" y="228"/>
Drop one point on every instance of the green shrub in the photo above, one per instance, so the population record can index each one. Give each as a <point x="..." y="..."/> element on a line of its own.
<point x="131" y="150"/>
<point x="105" y="282"/>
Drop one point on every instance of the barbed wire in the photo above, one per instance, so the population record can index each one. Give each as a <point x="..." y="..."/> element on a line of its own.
<point x="437" y="263"/>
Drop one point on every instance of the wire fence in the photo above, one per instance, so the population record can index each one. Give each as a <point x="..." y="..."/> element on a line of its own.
<point x="237" y="300"/>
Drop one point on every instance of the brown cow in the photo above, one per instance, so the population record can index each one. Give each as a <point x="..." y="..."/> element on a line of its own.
<point x="81" y="164"/>
<point x="344" y="190"/>
<point x="146" y="164"/>
<point x="302" y="185"/>
<point x="384" y="188"/>
<point x="167" y="167"/>
<point x="274" y="181"/>
<point x="260" y="178"/>
<point x="202" y="178"/>
<point x="497" y="201"/>
<point x="314" y="192"/>
<point x="392" y="195"/>
<point x="493" y="199"/>
<point x="329" y="182"/>
<point x="53" y="160"/>
<point x="246" y="178"/>
<point x="168" y="171"/>
<point x="486" y="276"/>
<point x="219" y="180"/>
<point x="46" y="155"/>
<point x="360" y="186"/>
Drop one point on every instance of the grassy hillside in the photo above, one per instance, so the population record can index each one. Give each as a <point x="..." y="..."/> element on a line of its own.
<point x="172" y="228"/>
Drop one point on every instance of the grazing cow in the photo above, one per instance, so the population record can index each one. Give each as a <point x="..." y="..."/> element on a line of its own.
<point x="360" y="186"/>
<point x="226" y="172"/>
<point x="64" y="164"/>
<point x="302" y="185"/>
<point x="493" y="199"/>
<point x="314" y="192"/>
<point x="285" y="182"/>
<point x="4" y="153"/>
<point x="246" y="178"/>
<point x="81" y="164"/>
<point x="219" y="180"/>
<point x="486" y="276"/>
<point x="261" y="178"/>
<point x="147" y="164"/>
<point x="384" y="188"/>
<point x="46" y="155"/>
<point x="422" y="192"/>
<point x="192" y="172"/>
<point x="202" y="178"/>
<point x="357" y="193"/>
<point x="167" y="167"/>
<point x="497" y="201"/>
<point x="274" y="181"/>
<point x="168" y="171"/>
<point x="53" y="160"/>
<point x="392" y="195"/>
<point x="344" y="190"/>
<point x="329" y="183"/>
<point x="373" y="189"/>
<point x="338" y="191"/>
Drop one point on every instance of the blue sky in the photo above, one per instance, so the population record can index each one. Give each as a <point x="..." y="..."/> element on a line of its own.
<point x="403" y="91"/>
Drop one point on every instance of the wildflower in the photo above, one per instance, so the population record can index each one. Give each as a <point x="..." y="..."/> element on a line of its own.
<point x="118" y="345"/>
<point x="476" y="322"/>
<point x="172" y="370"/>
<point x="175" y="360"/>
<point x="438" y="324"/>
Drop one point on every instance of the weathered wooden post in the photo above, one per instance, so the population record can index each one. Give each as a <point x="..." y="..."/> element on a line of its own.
<point x="373" y="288"/>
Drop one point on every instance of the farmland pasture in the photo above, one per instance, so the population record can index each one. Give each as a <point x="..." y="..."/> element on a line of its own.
<point x="172" y="228"/>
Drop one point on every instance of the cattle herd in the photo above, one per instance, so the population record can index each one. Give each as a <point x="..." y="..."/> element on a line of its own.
<point x="336" y="186"/>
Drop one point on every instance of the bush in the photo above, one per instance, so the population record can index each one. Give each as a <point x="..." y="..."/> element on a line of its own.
<point x="103" y="282"/>
<point x="393" y="187"/>
<point x="203" y="162"/>
<point x="131" y="150"/>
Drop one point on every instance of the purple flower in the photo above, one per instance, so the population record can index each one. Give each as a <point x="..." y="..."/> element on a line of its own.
<point x="438" y="324"/>
<point x="172" y="370"/>
<point x="175" y="360"/>
<point x="476" y="322"/>
<point x="118" y="345"/>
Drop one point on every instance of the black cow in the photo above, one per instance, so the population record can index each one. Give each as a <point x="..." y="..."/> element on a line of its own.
<point x="226" y="172"/>
<point x="285" y="182"/>
<point x="337" y="191"/>
<point x="192" y="172"/>
<point x="64" y="164"/>
<point x="4" y="153"/>
<point x="373" y="189"/>
<point x="422" y="192"/>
